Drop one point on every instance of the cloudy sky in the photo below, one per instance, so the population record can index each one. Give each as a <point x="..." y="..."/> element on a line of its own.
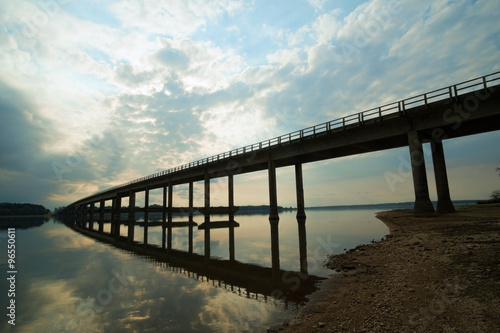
<point x="97" y="93"/>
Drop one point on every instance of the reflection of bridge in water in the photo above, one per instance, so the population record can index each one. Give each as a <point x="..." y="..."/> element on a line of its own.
<point x="247" y="280"/>
<point x="463" y="109"/>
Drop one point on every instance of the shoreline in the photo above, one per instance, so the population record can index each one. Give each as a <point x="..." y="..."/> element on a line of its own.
<point x="428" y="275"/>
<point x="24" y="216"/>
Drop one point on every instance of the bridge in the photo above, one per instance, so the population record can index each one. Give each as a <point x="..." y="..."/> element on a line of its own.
<point x="243" y="279"/>
<point x="462" y="109"/>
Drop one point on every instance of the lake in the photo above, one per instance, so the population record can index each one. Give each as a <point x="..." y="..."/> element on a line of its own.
<point x="68" y="282"/>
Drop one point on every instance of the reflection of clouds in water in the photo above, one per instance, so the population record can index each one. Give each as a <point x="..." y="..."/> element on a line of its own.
<point x="254" y="251"/>
<point x="68" y="239"/>
<point x="227" y="312"/>
<point x="157" y="298"/>
<point x="51" y="304"/>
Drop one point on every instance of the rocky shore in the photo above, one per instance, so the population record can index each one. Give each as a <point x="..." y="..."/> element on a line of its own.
<point x="438" y="274"/>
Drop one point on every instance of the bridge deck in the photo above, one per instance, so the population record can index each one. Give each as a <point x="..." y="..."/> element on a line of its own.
<point x="467" y="108"/>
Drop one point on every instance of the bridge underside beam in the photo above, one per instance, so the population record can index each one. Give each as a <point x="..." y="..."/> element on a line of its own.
<point x="444" y="119"/>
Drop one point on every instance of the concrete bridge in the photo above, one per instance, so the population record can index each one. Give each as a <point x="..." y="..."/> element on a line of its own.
<point x="465" y="108"/>
<point x="246" y="280"/>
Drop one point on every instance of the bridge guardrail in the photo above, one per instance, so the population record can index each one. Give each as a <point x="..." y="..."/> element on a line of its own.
<point x="399" y="107"/>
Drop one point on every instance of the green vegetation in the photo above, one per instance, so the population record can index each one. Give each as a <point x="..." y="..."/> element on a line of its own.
<point x="24" y="209"/>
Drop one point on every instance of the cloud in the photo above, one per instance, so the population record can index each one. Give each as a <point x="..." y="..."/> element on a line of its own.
<point x="173" y="19"/>
<point x="173" y="58"/>
<point x="317" y="4"/>
<point x="24" y="125"/>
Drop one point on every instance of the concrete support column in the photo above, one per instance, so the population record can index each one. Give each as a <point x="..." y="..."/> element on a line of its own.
<point x="301" y="217"/>
<point x="191" y="220"/>
<point x="164" y="220"/>
<point x="301" y="221"/>
<point x="275" y="249"/>
<point x="117" y="218"/>
<point x="131" y="217"/>
<point x="81" y="220"/>
<point x="207" y="216"/>
<point x="102" y="207"/>
<point x="146" y="215"/>
<point x="444" y="204"/>
<point x="231" y="216"/>
<point x="91" y="217"/>
<point x="299" y="184"/>
<point x="274" y="220"/>
<point x="79" y="216"/>
<point x="85" y="216"/>
<point x="273" y="192"/>
<point x="423" y="205"/>
<point x="113" y="214"/>
<point x="170" y="212"/>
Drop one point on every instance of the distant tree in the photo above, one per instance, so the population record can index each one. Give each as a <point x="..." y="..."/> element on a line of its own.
<point x="495" y="195"/>
<point x="57" y="210"/>
<point x="12" y="209"/>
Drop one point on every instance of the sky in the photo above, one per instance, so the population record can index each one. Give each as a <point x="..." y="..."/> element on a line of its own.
<point x="97" y="93"/>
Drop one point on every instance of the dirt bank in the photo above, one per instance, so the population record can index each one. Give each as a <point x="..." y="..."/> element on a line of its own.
<point x="439" y="274"/>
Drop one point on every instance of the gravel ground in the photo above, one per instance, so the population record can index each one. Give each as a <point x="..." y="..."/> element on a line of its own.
<point x="438" y="274"/>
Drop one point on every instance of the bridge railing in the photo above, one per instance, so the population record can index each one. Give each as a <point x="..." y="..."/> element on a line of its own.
<point x="357" y="119"/>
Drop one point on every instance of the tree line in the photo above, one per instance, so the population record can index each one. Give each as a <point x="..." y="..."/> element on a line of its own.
<point x="13" y="209"/>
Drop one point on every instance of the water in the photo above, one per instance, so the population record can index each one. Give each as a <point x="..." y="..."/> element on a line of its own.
<point x="67" y="282"/>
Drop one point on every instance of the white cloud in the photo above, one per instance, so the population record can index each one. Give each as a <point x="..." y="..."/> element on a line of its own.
<point x="176" y="19"/>
<point x="326" y="27"/>
<point x="317" y="4"/>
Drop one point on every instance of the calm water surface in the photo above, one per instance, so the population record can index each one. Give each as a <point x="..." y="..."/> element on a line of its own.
<point x="67" y="282"/>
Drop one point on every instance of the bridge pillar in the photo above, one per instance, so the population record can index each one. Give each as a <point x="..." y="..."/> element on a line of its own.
<point x="113" y="214"/>
<point x="117" y="207"/>
<point x="444" y="204"/>
<point x="274" y="220"/>
<point x="207" y="216"/>
<point x="78" y="215"/>
<point x="301" y="217"/>
<point x="170" y="212"/>
<point x="301" y="221"/>
<point x="101" y="215"/>
<point x="84" y="216"/>
<point x="299" y="183"/>
<point x="146" y="215"/>
<point x="423" y="205"/>
<point x="131" y="217"/>
<point x="91" y="217"/>
<point x="273" y="192"/>
<point x="191" y="221"/>
<point x="231" y="216"/>
<point x="164" y="218"/>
